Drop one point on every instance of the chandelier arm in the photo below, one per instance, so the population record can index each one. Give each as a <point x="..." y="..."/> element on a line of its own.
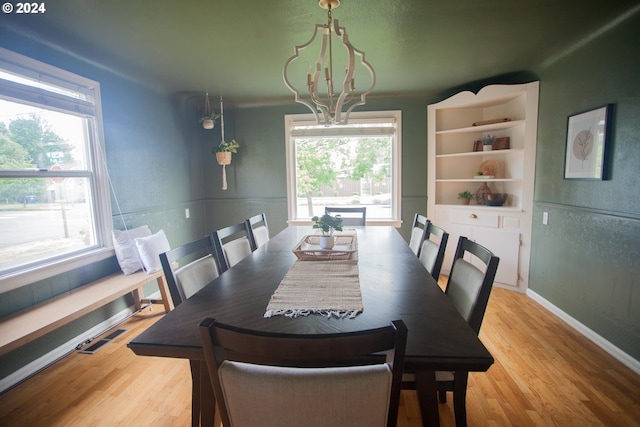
<point x="329" y="111"/>
<point x="298" y="97"/>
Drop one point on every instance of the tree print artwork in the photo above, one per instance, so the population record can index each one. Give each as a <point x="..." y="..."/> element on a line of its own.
<point x="583" y="146"/>
<point x="586" y="147"/>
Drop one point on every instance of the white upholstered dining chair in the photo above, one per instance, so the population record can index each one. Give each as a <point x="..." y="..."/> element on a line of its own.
<point x="232" y="244"/>
<point x="286" y="380"/>
<point x="418" y="230"/>
<point x="469" y="286"/>
<point x="200" y="266"/>
<point x="258" y="230"/>
<point x="434" y="244"/>
<point x="350" y="215"/>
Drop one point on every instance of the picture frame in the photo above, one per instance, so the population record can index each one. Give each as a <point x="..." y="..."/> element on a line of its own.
<point x="586" y="147"/>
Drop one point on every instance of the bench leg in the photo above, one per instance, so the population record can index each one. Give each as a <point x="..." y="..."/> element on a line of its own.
<point x="164" y="291"/>
<point x="137" y="298"/>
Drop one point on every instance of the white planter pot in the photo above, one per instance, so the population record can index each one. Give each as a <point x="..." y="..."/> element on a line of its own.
<point x="327" y="242"/>
<point x="207" y="124"/>
<point x="487" y="147"/>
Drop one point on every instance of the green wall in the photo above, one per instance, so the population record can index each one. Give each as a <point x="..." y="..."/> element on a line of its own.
<point x="586" y="261"/>
<point x="154" y="162"/>
<point x="257" y="175"/>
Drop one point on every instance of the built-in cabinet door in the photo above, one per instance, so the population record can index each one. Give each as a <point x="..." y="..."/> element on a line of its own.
<point x="504" y="244"/>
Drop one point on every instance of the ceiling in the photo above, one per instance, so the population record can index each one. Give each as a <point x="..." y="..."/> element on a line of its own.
<point x="238" y="48"/>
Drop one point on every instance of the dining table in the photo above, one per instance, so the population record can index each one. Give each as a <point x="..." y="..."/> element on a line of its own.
<point x="393" y="283"/>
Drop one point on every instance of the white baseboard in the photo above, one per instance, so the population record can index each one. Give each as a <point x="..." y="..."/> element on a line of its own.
<point x="54" y="355"/>
<point x="601" y="342"/>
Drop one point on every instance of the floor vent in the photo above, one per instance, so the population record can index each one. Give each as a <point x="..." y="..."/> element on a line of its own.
<point x="115" y="334"/>
<point x="103" y="341"/>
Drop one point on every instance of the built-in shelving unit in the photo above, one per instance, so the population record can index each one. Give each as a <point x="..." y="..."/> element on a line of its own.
<point x="454" y="166"/>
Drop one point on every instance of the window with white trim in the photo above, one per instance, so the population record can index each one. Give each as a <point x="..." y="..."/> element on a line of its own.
<point x="55" y="211"/>
<point x="358" y="164"/>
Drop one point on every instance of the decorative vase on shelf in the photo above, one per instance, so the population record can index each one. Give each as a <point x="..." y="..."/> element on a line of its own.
<point x="327" y="242"/>
<point x="484" y="188"/>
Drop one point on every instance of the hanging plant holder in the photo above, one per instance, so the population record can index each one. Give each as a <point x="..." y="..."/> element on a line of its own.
<point x="208" y="119"/>
<point x="208" y="123"/>
<point x="224" y="150"/>
<point x="223" y="157"/>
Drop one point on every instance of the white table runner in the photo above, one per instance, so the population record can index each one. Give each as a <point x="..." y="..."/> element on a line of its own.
<point x="330" y="288"/>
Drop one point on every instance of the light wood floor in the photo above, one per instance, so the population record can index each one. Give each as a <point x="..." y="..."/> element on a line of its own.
<point x="545" y="375"/>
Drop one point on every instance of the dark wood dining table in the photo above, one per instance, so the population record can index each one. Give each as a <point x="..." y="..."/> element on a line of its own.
<point x="394" y="285"/>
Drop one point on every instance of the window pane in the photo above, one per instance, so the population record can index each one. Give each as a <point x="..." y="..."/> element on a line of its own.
<point x="32" y="137"/>
<point x="45" y="220"/>
<point x="355" y="171"/>
<point x="55" y="212"/>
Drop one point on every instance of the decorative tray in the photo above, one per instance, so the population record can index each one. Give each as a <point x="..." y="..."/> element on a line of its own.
<point x="308" y="249"/>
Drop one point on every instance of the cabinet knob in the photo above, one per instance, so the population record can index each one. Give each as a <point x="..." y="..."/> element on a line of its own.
<point x="474" y="216"/>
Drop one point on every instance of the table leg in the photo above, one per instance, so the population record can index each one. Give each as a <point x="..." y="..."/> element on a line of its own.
<point x="427" y="390"/>
<point x="203" y="404"/>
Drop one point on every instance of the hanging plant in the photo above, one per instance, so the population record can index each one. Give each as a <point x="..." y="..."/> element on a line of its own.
<point x="231" y="147"/>
<point x="224" y="150"/>
<point x="209" y="118"/>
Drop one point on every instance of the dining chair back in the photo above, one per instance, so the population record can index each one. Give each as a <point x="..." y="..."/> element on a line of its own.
<point x="353" y="216"/>
<point x="232" y="244"/>
<point x="468" y="288"/>
<point x="418" y="231"/>
<point x="261" y="378"/>
<point x="434" y="245"/>
<point x="200" y="266"/>
<point x="258" y="230"/>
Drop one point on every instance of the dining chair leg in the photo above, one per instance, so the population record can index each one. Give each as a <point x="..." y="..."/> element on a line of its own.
<point x="460" y="397"/>
<point x="207" y="399"/>
<point x="195" y="393"/>
<point x="426" y="388"/>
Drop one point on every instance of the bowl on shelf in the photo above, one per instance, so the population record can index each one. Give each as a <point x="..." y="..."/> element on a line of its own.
<point x="495" y="199"/>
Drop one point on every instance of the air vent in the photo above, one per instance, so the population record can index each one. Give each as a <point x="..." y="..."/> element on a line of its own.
<point x="102" y="342"/>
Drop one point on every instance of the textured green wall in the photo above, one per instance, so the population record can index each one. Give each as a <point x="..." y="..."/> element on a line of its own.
<point x="257" y="175"/>
<point x="154" y="161"/>
<point x="585" y="261"/>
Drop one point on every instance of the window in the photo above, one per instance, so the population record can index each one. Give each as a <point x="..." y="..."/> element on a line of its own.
<point x="54" y="200"/>
<point x="352" y="165"/>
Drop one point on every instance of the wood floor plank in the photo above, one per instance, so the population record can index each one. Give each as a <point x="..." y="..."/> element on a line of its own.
<point x="545" y="374"/>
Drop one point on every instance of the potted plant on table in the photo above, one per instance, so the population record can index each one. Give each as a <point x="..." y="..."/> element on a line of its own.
<point x="224" y="150"/>
<point x="327" y="224"/>
<point x="465" y="196"/>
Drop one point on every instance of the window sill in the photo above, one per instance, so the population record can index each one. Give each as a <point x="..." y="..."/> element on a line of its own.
<point x="370" y="222"/>
<point x="21" y="278"/>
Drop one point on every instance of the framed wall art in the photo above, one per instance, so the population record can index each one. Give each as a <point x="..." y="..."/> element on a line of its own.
<point x="586" y="150"/>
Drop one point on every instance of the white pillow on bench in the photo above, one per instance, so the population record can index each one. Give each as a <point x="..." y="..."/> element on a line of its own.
<point x="150" y="248"/>
<point x="126" y="250"/>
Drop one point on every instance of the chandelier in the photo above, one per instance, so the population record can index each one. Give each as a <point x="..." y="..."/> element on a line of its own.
<point x="320" y="97"/>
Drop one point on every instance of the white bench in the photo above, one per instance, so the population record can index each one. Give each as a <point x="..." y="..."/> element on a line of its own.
<point x="26" y="325"/>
